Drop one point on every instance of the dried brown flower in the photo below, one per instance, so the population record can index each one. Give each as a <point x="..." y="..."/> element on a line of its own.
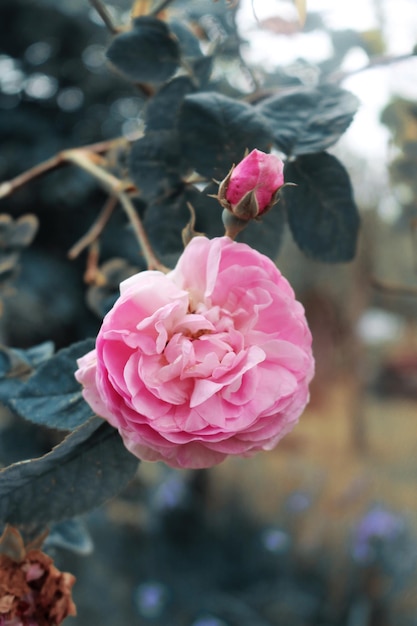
<point x="33" y="592"/>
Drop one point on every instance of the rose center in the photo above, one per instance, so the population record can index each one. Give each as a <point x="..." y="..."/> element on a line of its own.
<point x="197" y="334"/>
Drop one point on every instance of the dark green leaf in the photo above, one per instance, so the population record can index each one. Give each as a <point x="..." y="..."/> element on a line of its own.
<point x="17" y="364"/>
<point x="264" y="234"/>
<point x="208" y="211"/>
<point x="156" y="164"/>
<point x="162" y="110"/>
<point x="306" y="120"/>
<point x="37" y="354"/>
<point x="216" y="130"/>
<point x="321" y="210"/>
<point x="101" y="298"/>
<point x="164" y="222"/>
<point x="188" y="42"/>
<point x="14" y="368"/>
<point x="71" y="534"/>
<point x="146" y="54"/>
<point x="23" y="231"/>
<point x="202" y="68"/>
<point x="20" y="440"/>
<point x="51" y="396"/>
<point x="90" y="466"/>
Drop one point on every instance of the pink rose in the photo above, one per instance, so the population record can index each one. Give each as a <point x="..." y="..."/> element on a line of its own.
<point x="209" y="360"/>
<point x="251" y="187"/>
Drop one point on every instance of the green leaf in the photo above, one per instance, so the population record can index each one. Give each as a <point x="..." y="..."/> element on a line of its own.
<point x="51" y="396"/>
<point x="156" y="165"/>
<point x="17" y="364"/>
<point x="306" y="120"/>
<point x="164" y="222"/>
<point x="146" y="54"/>
<point x="188" y="42"/>
<point x="71" y="534"/>
<point x="215" y="131"/>
<point x="321" y="210"/>
<point x="162" y="110"/>
<point x="90" y="466"/>
<point x="202" y="68"/>
<point x="264" y="234"/>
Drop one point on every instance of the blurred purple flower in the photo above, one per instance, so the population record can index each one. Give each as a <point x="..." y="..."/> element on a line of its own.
<point x="377" y="527"/>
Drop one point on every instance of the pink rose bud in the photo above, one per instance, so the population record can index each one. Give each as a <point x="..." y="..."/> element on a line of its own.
<point x="251" y="188"/>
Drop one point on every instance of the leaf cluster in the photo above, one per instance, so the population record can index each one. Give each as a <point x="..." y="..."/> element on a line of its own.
<point x="194" y="130"/>
<point x="86" y="468"/>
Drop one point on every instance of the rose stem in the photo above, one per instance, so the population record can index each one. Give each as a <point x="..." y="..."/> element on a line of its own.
<point x="105" y="16"/>
<point x="96" y="229"/>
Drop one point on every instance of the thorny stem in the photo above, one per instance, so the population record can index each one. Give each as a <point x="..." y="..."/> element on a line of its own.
<point x="95" y="230"/>
<point x="105" y="16"/>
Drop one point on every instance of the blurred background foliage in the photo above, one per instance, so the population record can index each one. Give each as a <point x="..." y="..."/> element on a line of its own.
<point x="321" y="531"/>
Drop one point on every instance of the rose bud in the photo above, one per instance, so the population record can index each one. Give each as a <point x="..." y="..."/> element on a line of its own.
<point x="251" y="187"/>
<point x="210" y="360"/>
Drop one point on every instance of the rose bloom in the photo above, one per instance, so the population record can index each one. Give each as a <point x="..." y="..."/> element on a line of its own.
<point x="251" y="187"/>
<point x="210" y="360"/>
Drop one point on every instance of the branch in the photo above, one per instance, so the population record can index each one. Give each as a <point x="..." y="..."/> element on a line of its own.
<point x="92" y="273"/>
<point x="118" y="188"/>
<point x="378" y="61"/>
<point x="393" y="289"/>
<point x="60" y="159"/>
<point x="87" y="159"/>
<point x="95" y="230"/>
<point x="159" y="7"/>
<point x="153" y="263"/>
<point x="105" y="16"/>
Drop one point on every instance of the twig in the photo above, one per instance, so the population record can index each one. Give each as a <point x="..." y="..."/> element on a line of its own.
<point x="92" y="275"/>
<point x="83" y="158"/>
<point x="152" y="261"/>
<point x="394" y="289"/>
<point x="118" y="188"/>
<point x="378" y="61"/>
<point x="95" y="230"/>
<point x="105" y="16"/>
<point x="10" y="186"/>
<point x="60" y="159"/>
<point x="159" y="7"/>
